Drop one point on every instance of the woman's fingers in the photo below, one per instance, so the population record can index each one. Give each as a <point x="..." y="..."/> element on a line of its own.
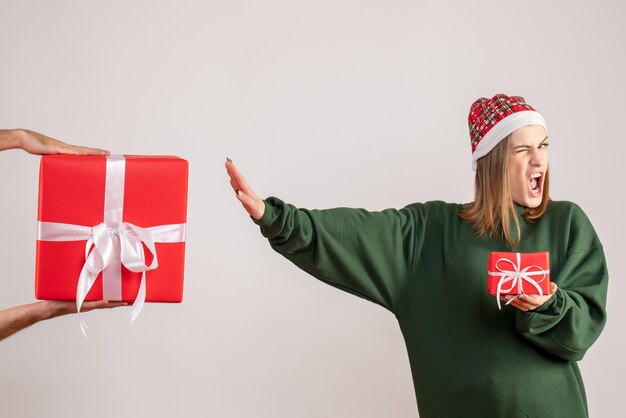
<point x="553" y="288"/>
<point x="234" y="185"/>
<point x="232" y="173"/>
<point x="529" y="302"/>
<point x="521" y="304"/>
<point x="238" y="178"/>
<point x="526" y="302"/>
<point x="252" y="203"/>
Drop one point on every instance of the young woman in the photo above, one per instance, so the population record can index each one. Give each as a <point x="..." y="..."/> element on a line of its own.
<point x="16" y="318"/>
<point x="427" y="263"/>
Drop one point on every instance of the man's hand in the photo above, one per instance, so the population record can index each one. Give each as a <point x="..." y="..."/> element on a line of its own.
<point x="40" y="144"/>
<point x="54" y="308"/>
<point x="19" y="317"/>
<point x="252" y="203"/>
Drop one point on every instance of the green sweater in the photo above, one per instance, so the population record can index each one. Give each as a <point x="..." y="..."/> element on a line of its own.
<point x="425" y="265"/>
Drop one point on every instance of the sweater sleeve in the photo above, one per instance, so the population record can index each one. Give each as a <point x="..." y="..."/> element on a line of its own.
<point x="571" y="321"/>
<point x="369" y="254"/>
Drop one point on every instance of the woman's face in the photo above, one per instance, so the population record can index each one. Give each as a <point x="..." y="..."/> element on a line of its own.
<point x="528" y="163"/>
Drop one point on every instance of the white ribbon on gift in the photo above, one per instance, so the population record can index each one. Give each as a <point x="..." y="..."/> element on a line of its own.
<point x="517" y="277"/>
<point x="113" y="243"/>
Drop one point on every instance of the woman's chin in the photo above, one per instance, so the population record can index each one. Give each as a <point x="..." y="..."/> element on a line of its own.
<point x="529" y="202"/>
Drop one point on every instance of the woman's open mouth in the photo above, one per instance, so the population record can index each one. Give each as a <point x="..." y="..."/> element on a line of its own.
<point x="535" y="181"/>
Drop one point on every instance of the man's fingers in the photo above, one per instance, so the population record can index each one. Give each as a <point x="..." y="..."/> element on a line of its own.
<point x="37" y="143"/>
<point x="115" y="304"/>
<point x="79" y="150"/>
<point x="101" y="304"/>
<point x="92" y="151"/>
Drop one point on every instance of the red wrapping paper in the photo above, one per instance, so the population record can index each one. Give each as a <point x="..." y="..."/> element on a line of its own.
<point x="536" y="267"/>
<point x="72" y="191"/>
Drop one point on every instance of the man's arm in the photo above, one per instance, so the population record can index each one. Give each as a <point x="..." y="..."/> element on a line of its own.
<point x="9" y="139"/>
<point x="17" y="318"/>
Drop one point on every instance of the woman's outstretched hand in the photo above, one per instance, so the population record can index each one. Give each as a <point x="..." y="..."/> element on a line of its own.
<point x="252" y="203"/>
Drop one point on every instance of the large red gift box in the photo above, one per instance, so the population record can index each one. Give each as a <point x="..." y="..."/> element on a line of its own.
<point x="516" y="273"/>
<point x="86" y="192"/>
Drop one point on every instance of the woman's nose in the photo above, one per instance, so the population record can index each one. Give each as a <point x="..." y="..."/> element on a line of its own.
<point x="538" y="159"/>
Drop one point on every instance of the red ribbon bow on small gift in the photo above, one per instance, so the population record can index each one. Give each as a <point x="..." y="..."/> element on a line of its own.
<point x="517" y="277"/>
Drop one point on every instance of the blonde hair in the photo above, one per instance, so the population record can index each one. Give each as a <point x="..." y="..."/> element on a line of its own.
<point x="493" y="211"/>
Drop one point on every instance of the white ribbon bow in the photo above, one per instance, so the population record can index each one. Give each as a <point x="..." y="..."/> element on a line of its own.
<point x="517" y="277"/>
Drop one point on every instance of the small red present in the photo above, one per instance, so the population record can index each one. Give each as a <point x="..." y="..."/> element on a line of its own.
<point x="518" y="273"/>
<point x="111" y="228"/>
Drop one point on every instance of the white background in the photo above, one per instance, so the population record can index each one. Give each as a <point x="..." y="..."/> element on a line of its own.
<point x="322" y="103"/>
